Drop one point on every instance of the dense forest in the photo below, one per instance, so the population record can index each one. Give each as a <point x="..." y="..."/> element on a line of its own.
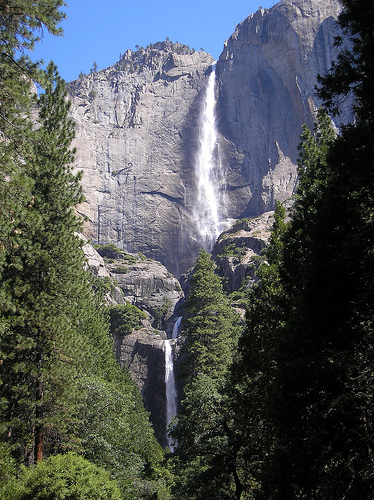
<point x="278" y="408"/>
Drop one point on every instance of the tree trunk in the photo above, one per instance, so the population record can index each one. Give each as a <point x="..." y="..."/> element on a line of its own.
<point x="38" y="432"/>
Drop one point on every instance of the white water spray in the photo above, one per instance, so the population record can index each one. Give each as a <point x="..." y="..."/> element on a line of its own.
<point x="171" y="389"/>
<point x="208" y="171"/>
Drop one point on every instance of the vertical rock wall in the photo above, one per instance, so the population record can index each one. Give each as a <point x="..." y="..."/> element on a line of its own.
<point x="137" y="127"/>
<point x="268" y="72"/>
<point x="135" y="140"/>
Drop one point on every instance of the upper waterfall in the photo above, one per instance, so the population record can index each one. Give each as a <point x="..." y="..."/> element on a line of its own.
<point x="208" y="171"/>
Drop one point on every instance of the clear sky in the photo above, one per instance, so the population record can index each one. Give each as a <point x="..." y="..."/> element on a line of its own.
<point x="99" y="30"/>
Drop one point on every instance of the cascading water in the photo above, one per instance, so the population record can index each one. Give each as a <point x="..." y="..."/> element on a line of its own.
<point x="171" y="389"/>
<point x="175" y="333"/>
<point x="207" y="211"/>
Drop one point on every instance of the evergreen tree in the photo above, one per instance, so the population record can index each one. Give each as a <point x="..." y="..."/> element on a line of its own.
<point x="320" y="400"/>
<point x="21" y="24"/>
<point x="254" y="369"/>
<point x="322" y="409"/>
<point x="42" y="276"/>
<point x="22" y="21"/>
<point x="58" y="371"/>
<point x="209" y="323"/>
<point x="205" y="458"/>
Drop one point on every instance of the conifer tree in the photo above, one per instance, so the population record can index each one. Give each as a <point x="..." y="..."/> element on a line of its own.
<point x="254" y="369"/>
<point x="319" y="400"/>
<point x="205" y="458"/>
<point x="42" y="277"/>
<point x="209" y="322"/>
<point x="54" y="341"/>
<point x="22" y="23"/>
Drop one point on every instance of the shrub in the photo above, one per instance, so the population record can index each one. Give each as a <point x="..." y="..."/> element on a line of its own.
<point x="65" y="477"/>
<point x="124" y="318"/>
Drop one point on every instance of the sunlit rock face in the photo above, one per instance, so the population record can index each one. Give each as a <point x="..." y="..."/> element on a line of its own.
<point x="135" y="144"/>
<point x="138" y="122"/>
<point x="268" y="73"/>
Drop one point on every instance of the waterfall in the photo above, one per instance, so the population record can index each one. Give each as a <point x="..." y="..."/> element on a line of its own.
<point x="175" y="333"/>
<point x="171" y="389"/>
<point x="207" y="212"/>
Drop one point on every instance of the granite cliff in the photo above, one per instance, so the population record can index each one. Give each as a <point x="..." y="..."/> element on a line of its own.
<point x="267" y="75"/>
<point x="135" y="138"/>
<point x="131" y="278"/>
<point x="137" y="127"/>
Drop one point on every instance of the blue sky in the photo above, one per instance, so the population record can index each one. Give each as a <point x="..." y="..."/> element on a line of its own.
<point x="99" y="30"/>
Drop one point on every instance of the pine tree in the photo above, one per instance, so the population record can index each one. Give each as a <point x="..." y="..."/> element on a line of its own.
<point x="323" y="412"/>
<point x="254" y="369"/>
<point x="21" y="24"/>
<point x="209" y="322"/>
<point x="205" y="459"/>
<point x="320" y="400"/>
<point x="42" y="277"/>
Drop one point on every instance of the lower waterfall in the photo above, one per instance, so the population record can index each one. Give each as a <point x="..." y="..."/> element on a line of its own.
<point x="171" y="389"/>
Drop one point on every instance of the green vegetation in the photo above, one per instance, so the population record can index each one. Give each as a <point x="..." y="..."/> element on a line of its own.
<point x="111" y="252"/>
<point x="124" y="319"/>
<point x="64" y="477"/>
<point x="281" y="410"/>
<point x="62" y="390"/>
<point x="160" y="313"/>
<point x="205" y="459"/>
<point x="232" y="250"/>
<point x="295" y="417"/>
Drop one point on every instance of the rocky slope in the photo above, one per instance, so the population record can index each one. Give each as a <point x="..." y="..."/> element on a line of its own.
<point x="137" y="126"/>
<point x="149" y="285"/>
<point x="131" y="278"/>
<point x="237" y="250"/>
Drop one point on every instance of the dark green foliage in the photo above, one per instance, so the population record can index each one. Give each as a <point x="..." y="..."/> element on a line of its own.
<point x="64" y="477"/>
<point x="161" y="312"/>
<point x="42" y="275"/>
<point x="304" y="377"/>
<point x="205" y="458"/>
<point x="124" y="318"/>
<point x="22" y="23"/>
<point x="209" y="326"/>
<point x="58" y="372"/>
<point x="253" y="371"/>
<point x="205" y="461"/>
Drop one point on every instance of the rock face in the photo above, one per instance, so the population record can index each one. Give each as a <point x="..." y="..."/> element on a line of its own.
<point x="267" y="75"/>
<point x="148" y="285"/>
<point x="137" y="126"/>
<point x="135" y="139"/>
<point x="143" y="354"/>
<point x="237" y="250"/>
